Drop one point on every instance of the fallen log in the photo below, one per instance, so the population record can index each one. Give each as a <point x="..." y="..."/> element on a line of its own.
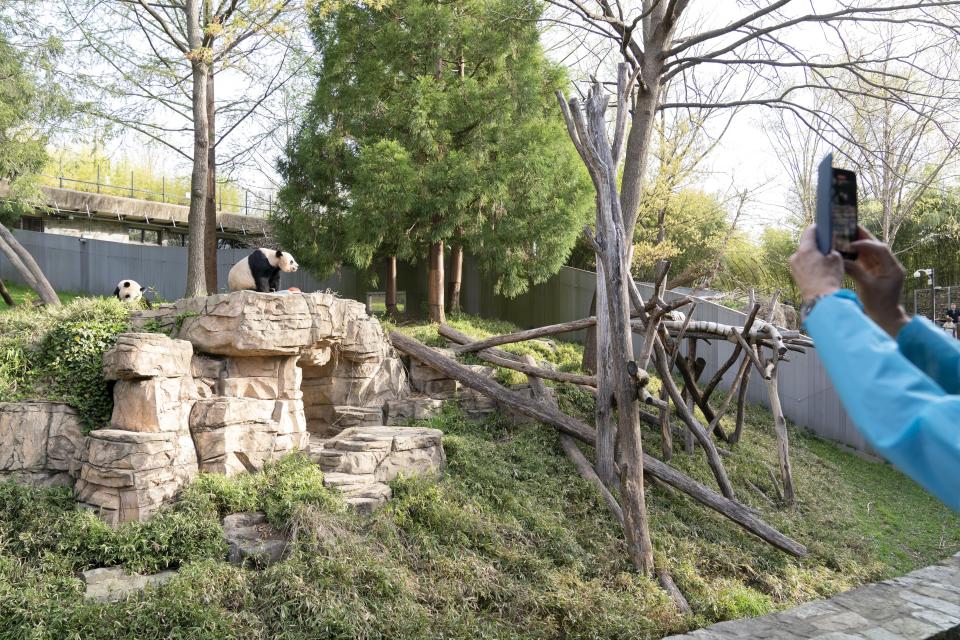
<point x="529" y="334"/>
<point x="730" y="509"/>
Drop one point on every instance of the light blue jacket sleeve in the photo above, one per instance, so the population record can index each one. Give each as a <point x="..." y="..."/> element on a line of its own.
<point x="904" y="415"/>
<point x="932" y="351"/>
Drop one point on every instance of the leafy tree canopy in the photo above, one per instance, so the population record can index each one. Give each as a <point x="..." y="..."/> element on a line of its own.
<point x="434" y="122"/>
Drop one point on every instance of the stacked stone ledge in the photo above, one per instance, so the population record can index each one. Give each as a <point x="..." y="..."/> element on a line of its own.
<point x="146" y="455"/>
<point x="39" y="443"/>
<point x="360" y="461"/>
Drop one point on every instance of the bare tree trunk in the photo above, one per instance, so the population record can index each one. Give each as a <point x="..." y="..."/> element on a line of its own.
<point x="588" y="130"/>
<point x="589" y="362"/>
<point x="456" y="277"/>
<point x="27" y="267"/>
<point x="606" y="428"/>
<point x="435" y="283"/>
<point x="6" y="295"/>
<point x="210" y="232"/>
<point x="391" y="294"/>
<point x="196" y="267"/>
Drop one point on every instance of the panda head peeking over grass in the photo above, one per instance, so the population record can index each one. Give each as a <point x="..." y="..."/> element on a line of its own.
<point x="129" y="292"/>
<point x="260" y="271"/>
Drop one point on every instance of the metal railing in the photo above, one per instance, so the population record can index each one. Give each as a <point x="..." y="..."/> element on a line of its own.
<point x="253" y="203"/>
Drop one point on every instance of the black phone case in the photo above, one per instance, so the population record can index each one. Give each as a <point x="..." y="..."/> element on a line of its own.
<point x="824" y="208"/>
<point x="826" y="176"/>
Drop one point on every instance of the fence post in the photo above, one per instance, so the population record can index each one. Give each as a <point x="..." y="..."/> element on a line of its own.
<point x="131" y="183"/>
<point x="98" y="176"/>
<point x="221" y="197"/>
<point x="163" y="189"/>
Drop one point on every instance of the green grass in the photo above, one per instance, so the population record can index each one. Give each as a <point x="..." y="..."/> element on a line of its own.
<point x="510" y="543"/>
<point x="26" y="296"/>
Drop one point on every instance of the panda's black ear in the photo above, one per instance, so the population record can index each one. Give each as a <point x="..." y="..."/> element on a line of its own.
<point x="142" y="289"/>
<point x="116" y="292"/>
<point x="279" y="253"/>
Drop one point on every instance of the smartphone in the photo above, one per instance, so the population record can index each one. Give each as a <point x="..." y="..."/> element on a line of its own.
<point x="836" y="209"/>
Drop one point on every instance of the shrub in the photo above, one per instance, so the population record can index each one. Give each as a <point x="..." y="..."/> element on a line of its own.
<point x="56" y="353"/>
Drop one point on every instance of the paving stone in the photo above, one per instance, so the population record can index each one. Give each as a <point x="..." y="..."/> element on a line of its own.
<point x="922" y="605"/>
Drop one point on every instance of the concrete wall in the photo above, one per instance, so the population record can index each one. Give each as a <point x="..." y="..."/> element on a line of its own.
<point x="95" y="267"/>
<point x="92" y="229"/>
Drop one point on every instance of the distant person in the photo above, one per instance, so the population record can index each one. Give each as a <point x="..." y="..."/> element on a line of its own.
<point x="899" y="378"/>
<point x="954" y="314"/>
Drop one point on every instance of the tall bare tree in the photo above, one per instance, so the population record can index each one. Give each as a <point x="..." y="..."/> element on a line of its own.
<point x="152" y="68"/>
<point x="686" y="55"/>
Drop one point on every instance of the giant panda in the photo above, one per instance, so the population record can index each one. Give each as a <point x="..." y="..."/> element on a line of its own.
<point x="129" y="291"/>
<point x="260" y="271"/>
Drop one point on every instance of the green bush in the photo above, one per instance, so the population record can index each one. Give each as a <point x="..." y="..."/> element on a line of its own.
<point x="56" y="353"/>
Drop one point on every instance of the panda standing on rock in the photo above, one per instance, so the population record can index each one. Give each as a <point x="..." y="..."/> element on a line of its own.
<point x="260" y="271"/>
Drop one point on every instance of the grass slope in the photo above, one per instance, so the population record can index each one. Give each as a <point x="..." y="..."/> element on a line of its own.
<point x="26" y="296"/>
<point x="510" y="543"/>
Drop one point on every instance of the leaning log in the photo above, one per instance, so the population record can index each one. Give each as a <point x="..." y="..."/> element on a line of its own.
<point x="529" y="334"/>
<point x="567" y="424"/>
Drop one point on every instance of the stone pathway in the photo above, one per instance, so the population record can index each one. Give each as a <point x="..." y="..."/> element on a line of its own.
<point x="924" y="604"/>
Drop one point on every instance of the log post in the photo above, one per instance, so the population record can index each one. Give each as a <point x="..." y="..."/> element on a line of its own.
<point x="783" y="439"/>
<point x="27" y="267"/>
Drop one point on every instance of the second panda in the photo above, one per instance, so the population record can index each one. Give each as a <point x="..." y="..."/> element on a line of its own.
<point x="260" y="271"/>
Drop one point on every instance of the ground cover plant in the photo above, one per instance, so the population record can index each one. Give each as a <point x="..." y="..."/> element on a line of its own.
<point x="510" y="543"/>
<point x="56" y="353"/>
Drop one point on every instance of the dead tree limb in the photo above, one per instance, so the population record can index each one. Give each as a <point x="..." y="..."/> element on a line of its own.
<point x="718" y="376"/>
<point x="713" y="458"/>
<point x="783" y="438"/>
<point x="529" y="334"/>
<point x="567" y="424"/>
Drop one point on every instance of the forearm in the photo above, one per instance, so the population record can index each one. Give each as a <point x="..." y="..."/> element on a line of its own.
<point x="901" y="412"/>
<point x="932" y="351"/>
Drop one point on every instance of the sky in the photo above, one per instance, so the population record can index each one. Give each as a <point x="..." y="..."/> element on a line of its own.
<point x="744" y="158"/>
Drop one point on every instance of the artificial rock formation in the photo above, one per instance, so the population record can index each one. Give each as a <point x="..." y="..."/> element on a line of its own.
<point x="147" y="453"/>
<point x="244" y="380"/>
<point x="229" y="383"/>
<point x="39" y="442"/>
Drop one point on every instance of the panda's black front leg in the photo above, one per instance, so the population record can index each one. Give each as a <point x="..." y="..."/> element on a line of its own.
<point x="275" y="281"/>
<point x="263" y="284"/>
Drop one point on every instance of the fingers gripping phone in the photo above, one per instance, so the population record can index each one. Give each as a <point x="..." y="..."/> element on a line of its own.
<point x="836" y="209"/>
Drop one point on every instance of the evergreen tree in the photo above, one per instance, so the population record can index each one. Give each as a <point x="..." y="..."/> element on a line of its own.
<point x="434" y="123"/>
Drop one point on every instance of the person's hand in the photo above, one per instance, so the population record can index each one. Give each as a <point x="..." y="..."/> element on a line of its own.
<point x="880" y="278"/>
<point x="815" y="273"/>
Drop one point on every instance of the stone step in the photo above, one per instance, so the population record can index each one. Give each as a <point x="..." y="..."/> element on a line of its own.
<point x="359" y="462"/>
<point x="361" y="492"/>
